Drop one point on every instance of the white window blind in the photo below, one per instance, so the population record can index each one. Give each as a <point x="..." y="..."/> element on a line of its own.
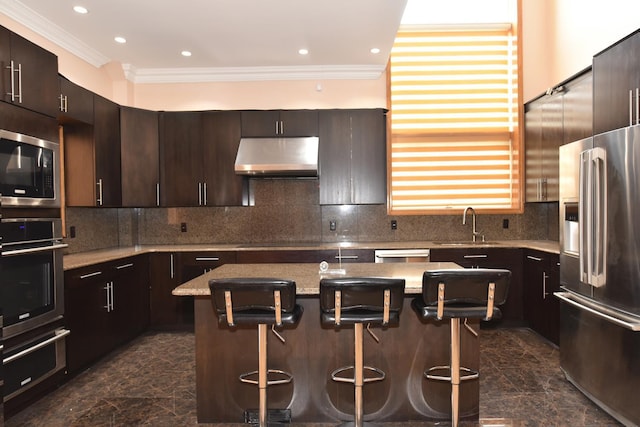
<point x="454" y="108"/>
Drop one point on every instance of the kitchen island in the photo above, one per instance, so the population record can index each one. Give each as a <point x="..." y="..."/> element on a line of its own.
<point x="312" y="352"/>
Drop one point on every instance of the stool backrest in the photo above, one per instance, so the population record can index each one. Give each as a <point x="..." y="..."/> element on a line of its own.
<point x="252" y="300"/>
<point x="361" y="300"/>
<point x="466" y="287"/>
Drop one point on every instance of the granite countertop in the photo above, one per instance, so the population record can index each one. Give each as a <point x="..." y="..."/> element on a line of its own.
<point x="83" y="259"/>
<point x="307" y="276"/>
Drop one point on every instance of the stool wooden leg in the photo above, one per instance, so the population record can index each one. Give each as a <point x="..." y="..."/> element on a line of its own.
<point x="262" y="374"/>
<point x="358" y="333"/>
<point x="455" y="371"/>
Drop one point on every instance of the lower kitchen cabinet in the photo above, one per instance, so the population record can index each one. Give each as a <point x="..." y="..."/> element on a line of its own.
<point x="168" y="311"/>
<point x="105" y="305"/>
<point x="487" y="257"/>
<point x="541" y="308"/>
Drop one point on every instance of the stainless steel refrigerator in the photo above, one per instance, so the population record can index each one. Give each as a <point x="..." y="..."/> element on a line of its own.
<point x="600" y="270"/>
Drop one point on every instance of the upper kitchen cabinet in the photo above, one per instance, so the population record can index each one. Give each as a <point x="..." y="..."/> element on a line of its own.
<point x="560" y="116"/>
<point x="76" y="103"/>
<point x="29" y="74"/>
<point x="279" y="123"/>
<point x="139" y="157"/>
<point x="181" y="159"/>
<point x="197" y="154"/>
<point x="221" y="137"/>
<point x="352" y="157"/>
<point x="616" y="83"/>
<point x="92" y="158"/>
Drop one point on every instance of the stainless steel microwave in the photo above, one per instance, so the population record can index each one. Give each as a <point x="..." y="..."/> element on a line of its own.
<point x="29" y="171"/>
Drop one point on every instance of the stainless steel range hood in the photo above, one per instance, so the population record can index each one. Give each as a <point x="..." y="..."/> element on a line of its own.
<point x="291" y="157"/>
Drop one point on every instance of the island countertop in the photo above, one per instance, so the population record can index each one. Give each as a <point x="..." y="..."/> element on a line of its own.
<point x="307" y="275"/>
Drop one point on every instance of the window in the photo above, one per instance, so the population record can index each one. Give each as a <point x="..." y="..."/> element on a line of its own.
<point x="454" y="120"/>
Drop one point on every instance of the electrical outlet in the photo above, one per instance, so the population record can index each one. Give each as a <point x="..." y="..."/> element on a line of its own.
<point x="72" y="231"/>
<point x="183" y="227"/>
<point x="394" y="224"/>
<point x="332" y="225"/>
<point x="505" y="223"/>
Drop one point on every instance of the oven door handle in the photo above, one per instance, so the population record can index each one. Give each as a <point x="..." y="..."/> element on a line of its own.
<point x="34" y="250"/>
<point x="59" y="334"/>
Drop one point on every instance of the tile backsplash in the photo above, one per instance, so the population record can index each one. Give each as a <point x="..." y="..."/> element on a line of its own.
<point x="287" y="211"/>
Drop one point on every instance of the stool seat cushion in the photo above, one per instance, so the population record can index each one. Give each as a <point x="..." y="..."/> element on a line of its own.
<point x="253" y="300"/>
<point x="362" y="300"/>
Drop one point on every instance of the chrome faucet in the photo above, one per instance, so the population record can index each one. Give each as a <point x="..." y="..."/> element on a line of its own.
<point x="474" y="232"/>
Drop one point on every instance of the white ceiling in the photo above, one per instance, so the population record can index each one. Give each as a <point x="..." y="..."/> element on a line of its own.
<point x="229" y="39"/>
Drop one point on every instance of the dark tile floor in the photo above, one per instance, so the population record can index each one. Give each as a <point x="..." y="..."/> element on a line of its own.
<point x="151" y="381"/>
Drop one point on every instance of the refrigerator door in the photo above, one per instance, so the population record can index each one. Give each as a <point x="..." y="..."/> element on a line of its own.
<point x="614" y="271"/>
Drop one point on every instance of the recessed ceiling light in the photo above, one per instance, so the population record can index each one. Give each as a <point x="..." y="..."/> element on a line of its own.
<point x="303" y="51"/>
<point x="80" y="9"/>
<point x="374" y="50"/>
<point x="185" y="53"/>
<point x="120" y="39"/>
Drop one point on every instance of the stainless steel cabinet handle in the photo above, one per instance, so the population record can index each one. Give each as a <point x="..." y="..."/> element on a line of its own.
<point x="99" y="184"/>
<point x="85" y="276"/>
<point x="171" y="270"/>
<point x="63" y="103"/>
<point x="204" y="193"/>
<point x="157" y="194"/>
<point x="475" y="256"/>
<point x="207" y="259"/>
<point x="59" y="334"/>
<point x="346" y="257"/>
<point x="199" y="194"/>
<point x="281" y="127"/>
<point x="108" y="295"/>
<point x="120" y="267"/>
<point x="544" y="285"/>
<point x="13" y="71"/>
<point x="12" y="84"/>
<point x="534" y="258"/>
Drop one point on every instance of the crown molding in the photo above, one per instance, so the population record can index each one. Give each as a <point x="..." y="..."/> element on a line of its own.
<point x="242" y="74"/>
<point x="45" y="28"/>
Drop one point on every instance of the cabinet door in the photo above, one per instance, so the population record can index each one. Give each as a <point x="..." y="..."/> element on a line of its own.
<point x="298" y="123"/>
<point x="76" y="103"/>
<point x="335" y="157"/>
<point x="129" y="314"/>
<point x="541" y="308"/>
<point x="552" y="137"/>
<point x="577" y="121"/>
<point x="221" y="137"/>
<point x="181" y="159"/>
<point x="86" y="316"/>
<point x="368" y="156"/>
<point x="615" y="73"/>
<point x="140" y="157"/>
<point x="166" y="309"/>
<point x="270" y="123"/>
<point x="37" y="80"/>
<point x="533" y="150"/>
<point x="106" y="138"/>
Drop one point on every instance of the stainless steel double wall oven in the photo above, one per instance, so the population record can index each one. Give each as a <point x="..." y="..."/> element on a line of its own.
<point x="31" y="289"/>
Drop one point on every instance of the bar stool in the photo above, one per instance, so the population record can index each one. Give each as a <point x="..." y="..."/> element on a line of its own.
<point x="356" y="301"/>
<point x="261" y="302"/>
<point x="456" y="294"/>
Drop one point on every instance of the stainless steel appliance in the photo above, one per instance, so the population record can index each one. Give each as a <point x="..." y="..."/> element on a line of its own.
<point x="29" y="171"/>
<point x="401" y="255"/>
<point x="1" y="375"/>
<point x="31" y="290"/>
<point x="600" y="269"/>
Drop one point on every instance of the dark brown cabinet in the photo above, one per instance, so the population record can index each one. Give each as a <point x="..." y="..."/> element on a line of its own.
<point x="541" y="307"/>
<point x="486" y="257"/>
<point x="616" y="79"/>
<point x="167" y="311"/>
<point x="92" y="158"/>
<point x="197" y="154"/>
<point x="29" y="74"/>
<point x="561" y="116"/>
<point x="273" y="123"/>
<point x="352" y="157"/>
<point x="139" y="157"/>
<point x="283" y="256"/>
<point x="75" y="103"/>
<point x="105" y="305"/>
